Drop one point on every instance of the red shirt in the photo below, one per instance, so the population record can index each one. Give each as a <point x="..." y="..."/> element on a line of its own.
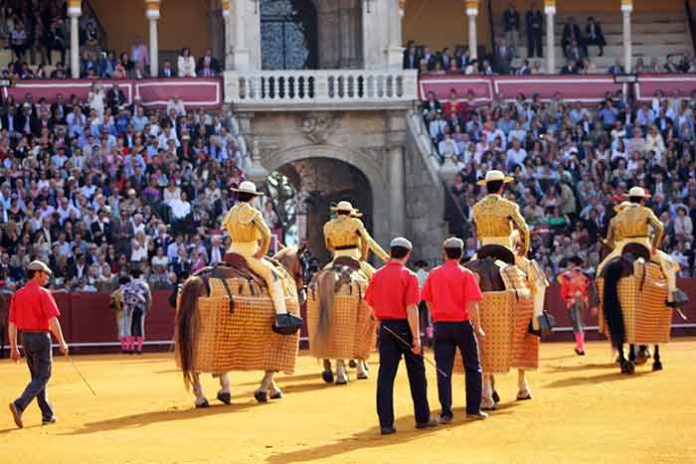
<point x="575" y="285"/>
<point x="391" y="290"/>
<point x="449" y="288"/>
<point x="32" y="307"/>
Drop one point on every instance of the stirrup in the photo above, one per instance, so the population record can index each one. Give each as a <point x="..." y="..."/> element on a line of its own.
<point x="287" y="324"/>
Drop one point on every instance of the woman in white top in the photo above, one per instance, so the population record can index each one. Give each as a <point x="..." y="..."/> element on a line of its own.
<point x="160" y="259"/>
<point x="96" y="98"/>
<point x="186" y="64"/>
<point x="654" y="141"/>
<point x="172" y="192"/>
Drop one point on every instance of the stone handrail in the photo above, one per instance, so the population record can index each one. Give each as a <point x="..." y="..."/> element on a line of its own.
<point x="321" y="87"/>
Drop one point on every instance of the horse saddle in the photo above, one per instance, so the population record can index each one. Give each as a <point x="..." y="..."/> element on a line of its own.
<point x="497" y="252"/>
<point x="637" y="250"/>
<point x="346" y="261"/>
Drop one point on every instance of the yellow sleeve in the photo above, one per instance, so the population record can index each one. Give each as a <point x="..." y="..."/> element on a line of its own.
<point x="521" y="225"/>
<point x="655" y="222"/>
<point x="327" y="242"/>
<point x="369" y="243"/>
<point x="265" y="232"/>
<point x="226" y="220"/>
<point x="611" y="235"/>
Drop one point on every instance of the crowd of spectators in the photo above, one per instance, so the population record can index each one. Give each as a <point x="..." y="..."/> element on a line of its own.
<point x="97" y="187"/>
<point x="571" y="165"/>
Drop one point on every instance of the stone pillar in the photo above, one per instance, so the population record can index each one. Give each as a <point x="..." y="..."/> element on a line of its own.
<point x="74" y="12"/>
<point x="375" y="34"/>
<point x="227" y="47"/>
<point x="472" y="14"/>
<point x="241" y="51"/>
<point x="397" y="203"/>
<point x="550" y="10"/>
<point x="152" y="13"/>
<point x="627" y="9"/>
<point x="395" y="51"/>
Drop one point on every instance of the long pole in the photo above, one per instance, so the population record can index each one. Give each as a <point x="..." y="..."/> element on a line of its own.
<point x="406" y="344"/>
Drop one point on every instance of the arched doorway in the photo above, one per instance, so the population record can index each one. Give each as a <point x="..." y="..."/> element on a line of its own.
<point x="320" y="183"/>
<point x="289" y="38"/>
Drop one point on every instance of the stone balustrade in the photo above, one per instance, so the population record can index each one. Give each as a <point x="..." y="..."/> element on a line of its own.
<point x="287" y="89"/>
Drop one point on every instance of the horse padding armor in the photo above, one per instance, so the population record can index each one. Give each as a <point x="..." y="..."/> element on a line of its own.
<point x="505" y="317"/>
<point x="647" y="318"/>
<point x="352" y="329"/>
<point x="239" y="336"/>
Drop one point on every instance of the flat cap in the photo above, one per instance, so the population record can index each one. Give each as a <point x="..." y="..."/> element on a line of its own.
<point x="37" y="265"/>
<point x="453" y="242"/>
<point x="401" y="242"/>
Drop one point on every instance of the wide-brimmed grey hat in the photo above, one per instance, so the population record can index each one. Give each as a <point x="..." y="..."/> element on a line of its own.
<point x="401" y="242"/>
<point x="453" y="242"/>
<point x="37" y="265"/>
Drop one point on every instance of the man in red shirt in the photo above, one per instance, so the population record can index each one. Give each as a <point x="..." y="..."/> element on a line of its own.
<point x="393" y="295"/>
<point x="452" y="293"/>
<point x="575" y="291"/>
<point x="34" y="312"/>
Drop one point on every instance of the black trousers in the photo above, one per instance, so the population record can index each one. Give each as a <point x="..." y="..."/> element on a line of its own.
<point x="534" y="45"/>
<point x="37" y="349"/>
<point x="390" y="352"/>
<point x="448" y="337"/>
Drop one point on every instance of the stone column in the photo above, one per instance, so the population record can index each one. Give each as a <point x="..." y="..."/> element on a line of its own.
<point x="241" y="51"/>
<point x="227" y="48"/>
<point x="397" y="201"/>
<point x="395" y="51"/>
<point x="550" y="10"/>
<point x="152" y="13"/>
<point x="472" y="14"/>
<point x="74" y="12"/>
<point x="627" y="9"/>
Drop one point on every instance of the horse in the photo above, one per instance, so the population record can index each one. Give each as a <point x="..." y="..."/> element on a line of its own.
<point x="351" y="340"/>
<point x="511" y="319"/>
<point x="623" y="267"/>
<point x="199" y="286"/>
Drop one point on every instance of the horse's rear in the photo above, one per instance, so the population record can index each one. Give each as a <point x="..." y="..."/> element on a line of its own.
<point x="633" y="295"/>
<point x="339" y="321"/>
<point x="224" y="323"/>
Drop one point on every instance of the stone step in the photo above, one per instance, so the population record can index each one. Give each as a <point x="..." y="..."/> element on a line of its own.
<point x="617" y="50"/>
<point x="617" y="28"/>
<point x="607" y="18"/>
<point x="677" y="40"/>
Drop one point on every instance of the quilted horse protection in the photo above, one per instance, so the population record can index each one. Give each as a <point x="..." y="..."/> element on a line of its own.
<point x="233" y="322"/>
<point x="347" y="329"/>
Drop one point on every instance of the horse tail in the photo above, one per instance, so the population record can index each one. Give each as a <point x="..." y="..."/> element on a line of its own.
<point x="613" y="314"/>
<point x="185" y="326"/>
<point x="326" y="286"/>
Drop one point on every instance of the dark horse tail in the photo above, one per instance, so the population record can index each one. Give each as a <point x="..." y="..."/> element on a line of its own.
<point x="613" y="313"/>
<point x="326" y="286"/>
<point x="185" y="326"/>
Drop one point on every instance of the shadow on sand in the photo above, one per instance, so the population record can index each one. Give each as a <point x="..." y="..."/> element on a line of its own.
<point x="613" y="376"/>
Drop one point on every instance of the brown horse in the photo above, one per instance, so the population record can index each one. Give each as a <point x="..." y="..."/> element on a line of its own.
<point x="197" y="286"/>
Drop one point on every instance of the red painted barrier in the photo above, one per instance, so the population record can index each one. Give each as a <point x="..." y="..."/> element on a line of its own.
<point x="649" y="84"/>
<point x="194" y="92"/>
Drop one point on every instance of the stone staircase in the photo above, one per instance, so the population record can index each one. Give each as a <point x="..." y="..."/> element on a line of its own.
<point x="653" y="36"/>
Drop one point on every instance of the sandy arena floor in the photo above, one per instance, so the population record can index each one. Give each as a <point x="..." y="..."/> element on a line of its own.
<point x="583" y="411"/>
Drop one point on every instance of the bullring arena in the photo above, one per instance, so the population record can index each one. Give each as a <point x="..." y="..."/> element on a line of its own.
<point x="583" y="411"/>
<point x="247" y="187"/>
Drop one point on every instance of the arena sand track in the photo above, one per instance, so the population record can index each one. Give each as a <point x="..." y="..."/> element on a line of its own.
<point x="583" y="411"/>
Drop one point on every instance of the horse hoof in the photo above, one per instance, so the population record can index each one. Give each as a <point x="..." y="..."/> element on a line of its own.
<point x="524" y="395"/>
<point x="342" y="381"/>
<point x="224" y="397"/>
<point x="261" y="396"/>
<point x="657" y="366"/>
<point x="496" y="397"/>
<point x="276" y="395"/>
<point x="327" y="376"/>
<point x="489" y="406"/>
<point x="352" y="364"/>
<point x="362" y="376"/>
<point x="203" y="404"/>
<point x="628" y="367"/>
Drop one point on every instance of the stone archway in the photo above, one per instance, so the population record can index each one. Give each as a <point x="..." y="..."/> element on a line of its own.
<point x="375" y="206"/>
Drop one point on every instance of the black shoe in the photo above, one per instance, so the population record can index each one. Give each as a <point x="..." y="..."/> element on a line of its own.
<point x="446" y="418"/>
<point x="480" y="415"/>
<point x="50" y="421"/>
<point x="432" y="422"/>
<point x="224" y="397"/>
<point x="387" y="430"/>
<point x="327" y="376"/>
<point x="17" y="415"/>
<point x="287" y="324"/>
<point x="579" y="352"/>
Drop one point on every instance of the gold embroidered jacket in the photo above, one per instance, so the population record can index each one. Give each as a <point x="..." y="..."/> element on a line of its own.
<point x="635" y="221"/>
<point x="245" y="223"/>
<point x="494" y="216"/>
<point x="345" y="232"/>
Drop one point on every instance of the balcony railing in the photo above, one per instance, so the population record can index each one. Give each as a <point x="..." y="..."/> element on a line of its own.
<point x="320" y="87"/>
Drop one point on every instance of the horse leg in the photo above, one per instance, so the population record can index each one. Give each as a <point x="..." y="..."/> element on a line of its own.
<point x="261" y="394"/>
<point x="487" y="403"/>
<point x="627" y="367"/>
<point x="523" y="391"/>
<point x="327" y="374"/>
<point x="495" y="395"/>
<point x="275" y="392"/>
<point x="643" y="355"/>
<point x="201" y="400"/>
<point x="341" y="373"/>
<point x="362" y="369"/>
<point x="657" y="364"/>
<point x="224" y="394"/>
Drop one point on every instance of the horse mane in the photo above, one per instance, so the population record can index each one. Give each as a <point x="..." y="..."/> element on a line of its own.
<point x="186" y="325"/>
